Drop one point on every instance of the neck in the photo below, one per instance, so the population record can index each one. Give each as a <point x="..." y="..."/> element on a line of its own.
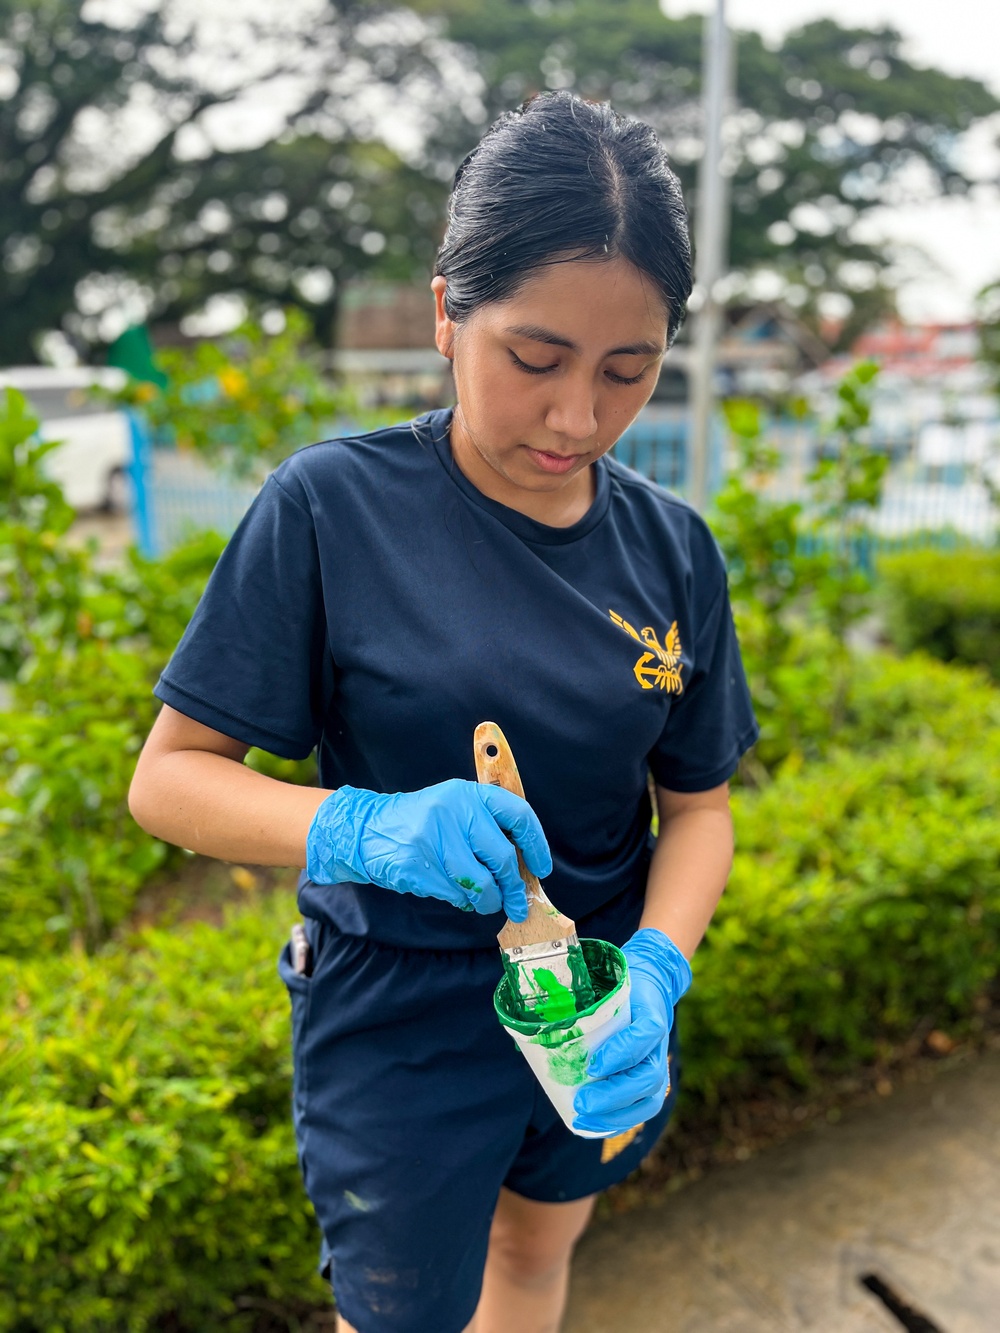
<point x="557" y="508"/>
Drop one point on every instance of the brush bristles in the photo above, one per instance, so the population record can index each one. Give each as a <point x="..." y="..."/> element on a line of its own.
<point x="550" y="979"/>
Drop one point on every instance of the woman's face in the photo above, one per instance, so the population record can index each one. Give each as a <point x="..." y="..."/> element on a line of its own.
<point x="548" y="380"/>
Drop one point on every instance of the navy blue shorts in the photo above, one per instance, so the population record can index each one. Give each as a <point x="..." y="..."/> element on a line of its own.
<point x="413" y="1107"/>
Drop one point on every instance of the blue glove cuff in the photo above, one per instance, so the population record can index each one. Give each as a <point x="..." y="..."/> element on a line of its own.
<point x="666" y="962"/>
<point x="332" y="844"/>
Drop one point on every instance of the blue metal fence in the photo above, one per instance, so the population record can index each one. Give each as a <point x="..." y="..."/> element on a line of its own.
<point x="656" y="445"/>
<point x="177" y="494"/>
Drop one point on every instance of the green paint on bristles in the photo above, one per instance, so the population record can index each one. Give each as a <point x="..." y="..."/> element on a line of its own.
<point x="558" y="1002"/>
<point x="607" y="970"/>
<point x="541" y="992"/>
<point x="583" y="985"/>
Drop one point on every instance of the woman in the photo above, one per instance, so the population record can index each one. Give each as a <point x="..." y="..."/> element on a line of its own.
<point x="383" y="596"/>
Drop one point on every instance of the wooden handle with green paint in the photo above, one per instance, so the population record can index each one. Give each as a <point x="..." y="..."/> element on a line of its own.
<point x="495" y="766"/>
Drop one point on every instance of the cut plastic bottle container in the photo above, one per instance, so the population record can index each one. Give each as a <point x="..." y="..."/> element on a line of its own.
<point x="558" y="1052"/>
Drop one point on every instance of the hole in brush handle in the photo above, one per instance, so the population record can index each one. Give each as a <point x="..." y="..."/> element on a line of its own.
<point x="495" y="764"/>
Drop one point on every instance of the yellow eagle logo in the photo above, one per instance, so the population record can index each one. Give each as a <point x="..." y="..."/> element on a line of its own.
<point x="662" y="666"/>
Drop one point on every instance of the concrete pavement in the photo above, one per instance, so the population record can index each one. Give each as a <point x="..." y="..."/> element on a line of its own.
<point x="907" y="1190"/>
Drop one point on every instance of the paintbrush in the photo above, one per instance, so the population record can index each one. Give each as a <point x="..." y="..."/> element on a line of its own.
<point x="541" y="955"/>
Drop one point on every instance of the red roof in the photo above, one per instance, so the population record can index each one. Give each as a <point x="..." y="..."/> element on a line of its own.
<point x="954" y="344"/>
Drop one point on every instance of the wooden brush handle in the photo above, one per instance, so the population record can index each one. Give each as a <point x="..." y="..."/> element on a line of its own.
<point x="544" y="921"/>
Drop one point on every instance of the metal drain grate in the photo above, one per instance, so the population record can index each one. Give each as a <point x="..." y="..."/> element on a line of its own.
<point x="912" y="1320"/>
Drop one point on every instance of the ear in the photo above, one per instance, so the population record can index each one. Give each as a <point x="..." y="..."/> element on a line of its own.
<point x="444" y="328"/>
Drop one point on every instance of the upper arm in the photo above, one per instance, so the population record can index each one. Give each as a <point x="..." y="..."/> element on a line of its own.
<point x="173" y="731"/>
<point x="672" y="803"/>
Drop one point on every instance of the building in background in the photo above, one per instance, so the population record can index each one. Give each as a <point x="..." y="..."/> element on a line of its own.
<point x="934" y="400"/>
<point x="936" y="415"/>
<point x="385" y="347"/>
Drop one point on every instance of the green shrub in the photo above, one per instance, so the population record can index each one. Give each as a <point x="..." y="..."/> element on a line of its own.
<point x="894" y="700"/>
<point x="82" y="649"/>
<point x="865" y="896"/>
<point x="794" y="577"/>
<point x="41" y="580"/>
<point x="944" y="602"/>
<point x="71" y="857"/>
<point x="248" y="399"/>
<point x="884" y="699"/>
<point x="147" y="1160"/>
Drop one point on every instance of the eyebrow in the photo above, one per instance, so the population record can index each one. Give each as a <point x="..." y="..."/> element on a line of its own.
<point x="537" y="334"/>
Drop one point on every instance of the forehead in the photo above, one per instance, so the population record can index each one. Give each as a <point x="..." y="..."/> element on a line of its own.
<point x="587" y="300"/>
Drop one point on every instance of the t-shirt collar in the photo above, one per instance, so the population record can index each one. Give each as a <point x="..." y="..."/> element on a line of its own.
<point x="528" y="529"/>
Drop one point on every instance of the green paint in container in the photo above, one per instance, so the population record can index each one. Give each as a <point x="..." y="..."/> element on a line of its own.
<point x="557" y="1041"/>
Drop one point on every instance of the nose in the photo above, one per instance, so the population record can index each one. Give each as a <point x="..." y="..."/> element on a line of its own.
<point x="572" y="413"/>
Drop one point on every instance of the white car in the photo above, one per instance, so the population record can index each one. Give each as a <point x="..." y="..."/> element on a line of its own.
<point x="91" y="465"/>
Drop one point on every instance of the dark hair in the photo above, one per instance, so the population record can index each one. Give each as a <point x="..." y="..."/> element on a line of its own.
<point x="561" y="179"/>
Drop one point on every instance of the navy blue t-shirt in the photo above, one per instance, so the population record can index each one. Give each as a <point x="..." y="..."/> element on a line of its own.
<point x="375" y="605"/>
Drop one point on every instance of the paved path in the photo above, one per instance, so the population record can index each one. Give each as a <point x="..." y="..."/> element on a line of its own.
<point x="908" y="1189"/>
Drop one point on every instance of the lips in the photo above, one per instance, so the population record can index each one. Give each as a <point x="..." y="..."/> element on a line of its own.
<point x="555" y="463"/>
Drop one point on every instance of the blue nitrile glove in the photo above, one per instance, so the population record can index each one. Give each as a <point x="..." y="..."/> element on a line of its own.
<point x="445" y="841"/>
<point x="632" y="1065"/>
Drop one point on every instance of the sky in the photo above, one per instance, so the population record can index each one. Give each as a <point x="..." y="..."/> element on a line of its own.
<point x="961" y="37"/>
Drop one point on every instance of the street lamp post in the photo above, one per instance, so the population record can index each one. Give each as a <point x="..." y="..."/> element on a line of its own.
<point x="710" y="246"/>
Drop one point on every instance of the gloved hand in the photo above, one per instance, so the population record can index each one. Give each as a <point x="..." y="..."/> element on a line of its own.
<point x="445" y="841"/>
<point x="632" y="1065"/>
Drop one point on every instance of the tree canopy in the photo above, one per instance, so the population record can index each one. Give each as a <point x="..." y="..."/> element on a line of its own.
<point x="832" y="124"/>
<point x="115" y="188"/>
<point x="119" y="186"/>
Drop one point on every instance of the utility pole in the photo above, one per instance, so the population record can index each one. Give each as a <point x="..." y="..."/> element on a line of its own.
<point x="710" y="248"/>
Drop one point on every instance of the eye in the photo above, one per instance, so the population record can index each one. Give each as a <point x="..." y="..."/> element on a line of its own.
<point x="624" y="379"/>
<point x="523" y="365"/>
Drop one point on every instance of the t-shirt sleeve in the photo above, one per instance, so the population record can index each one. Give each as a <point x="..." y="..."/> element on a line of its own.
<point x="254" y="661"/>
<point x="711" y="724"/>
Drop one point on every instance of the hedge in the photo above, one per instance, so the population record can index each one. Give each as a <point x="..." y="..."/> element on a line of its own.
<point x="147" y="1161"/>
<point x="864" y="899"/>
<point x="946" y="603"/>
<point x="72" y="859"/>
<point x="819" y="699"/>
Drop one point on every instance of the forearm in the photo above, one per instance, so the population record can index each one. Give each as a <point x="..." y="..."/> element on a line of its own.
<point x="688" y="872"/>
<point x="215" y="805"/>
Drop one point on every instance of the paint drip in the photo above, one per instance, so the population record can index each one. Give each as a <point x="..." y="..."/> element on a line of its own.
<point x="470" y="886"/>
